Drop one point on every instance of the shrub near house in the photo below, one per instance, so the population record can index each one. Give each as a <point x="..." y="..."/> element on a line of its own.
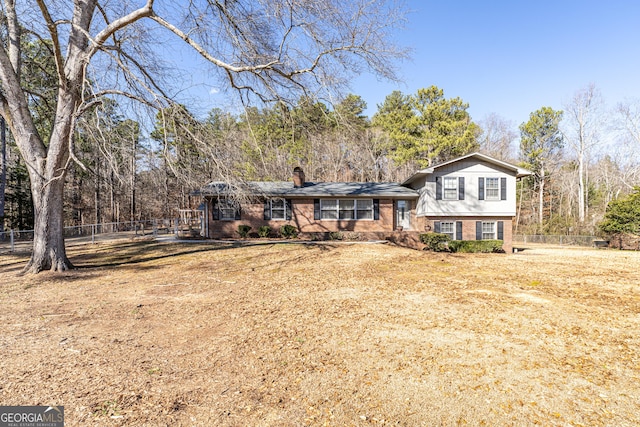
<point x="476" y="246"/>
<point x="439" y="242"/>
<point x="243" y="230"/>
<point x="436" y="242"/>
<point x="622" y="221"/>
<point x="264" y="231"/>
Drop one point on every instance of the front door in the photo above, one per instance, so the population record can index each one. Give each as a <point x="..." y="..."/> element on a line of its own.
<point x="403" y="214"/>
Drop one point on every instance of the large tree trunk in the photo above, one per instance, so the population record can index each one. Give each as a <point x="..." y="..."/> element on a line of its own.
<point x="48" y="245"/>
<point x="47" y="187"/>
<point x="46" y="164"/>
<point x="47" y="169"/>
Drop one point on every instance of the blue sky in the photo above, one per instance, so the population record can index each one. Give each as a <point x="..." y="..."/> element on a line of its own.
<point x="509" y="57"/>
<point x="513" y="57"/>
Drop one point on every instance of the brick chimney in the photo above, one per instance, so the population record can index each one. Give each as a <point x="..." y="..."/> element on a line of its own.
<point x="298" y="177"/>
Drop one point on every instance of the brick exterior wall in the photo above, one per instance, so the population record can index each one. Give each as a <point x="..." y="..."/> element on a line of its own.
<point x="469" y="227"/>
<point x="302" y="218"/>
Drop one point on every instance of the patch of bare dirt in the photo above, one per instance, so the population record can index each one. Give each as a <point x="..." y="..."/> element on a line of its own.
<point x="147" y="334"/>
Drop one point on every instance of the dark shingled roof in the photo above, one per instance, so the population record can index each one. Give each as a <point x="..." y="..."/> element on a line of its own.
<point x="317" y="189"/>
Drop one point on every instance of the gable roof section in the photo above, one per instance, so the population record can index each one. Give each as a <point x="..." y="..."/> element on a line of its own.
<point x="518" y="171"/>
<point x="286" y="189"/>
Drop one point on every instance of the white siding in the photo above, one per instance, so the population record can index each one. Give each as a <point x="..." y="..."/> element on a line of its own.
<point x="471" y="169"/>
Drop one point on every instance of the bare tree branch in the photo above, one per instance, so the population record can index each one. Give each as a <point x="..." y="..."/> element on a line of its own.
<point x="55" y="39"/>
<point x="97" y="99"/>
<point x="111" y="28"/>
<point x="141" y="68"/>
<point x="14" y="31"/>
<point x="205" y="54"/>
<point x="17" y="113"/>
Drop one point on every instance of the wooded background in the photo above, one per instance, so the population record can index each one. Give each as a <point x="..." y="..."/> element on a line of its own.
<point x="136" y="173"/>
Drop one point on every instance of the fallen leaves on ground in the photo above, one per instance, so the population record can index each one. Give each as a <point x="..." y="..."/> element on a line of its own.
<point x="148" y="333"/>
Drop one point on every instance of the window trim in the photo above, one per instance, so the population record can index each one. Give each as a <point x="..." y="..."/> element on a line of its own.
<point x="452" y="233"/>
<point x="494" y="232"/>
<point x="496" y="189"/>
<point x="283" y="209"/>
<point x="323" y="209"/>
<point x="367" y="209"/>
<point x="456" y="234"/>
<point x="454" y="192"/>
<point x="226" y="205"/>
<point x="337" y="211"/>
<point x="347" y="207"/>
<point x="269" y="209"/>
<point x="453" y="189"/>
<point x="483" y="188"/>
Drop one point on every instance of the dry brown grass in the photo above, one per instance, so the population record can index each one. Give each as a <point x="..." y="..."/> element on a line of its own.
<point x="279" y="335"/>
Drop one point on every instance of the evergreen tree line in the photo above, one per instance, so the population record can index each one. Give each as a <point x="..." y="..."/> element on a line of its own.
<point x="582" y="157"/>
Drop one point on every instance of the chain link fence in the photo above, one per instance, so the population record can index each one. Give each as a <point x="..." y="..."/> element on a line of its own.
<point x="22" y="240"/>
<point x="550" y="239"/>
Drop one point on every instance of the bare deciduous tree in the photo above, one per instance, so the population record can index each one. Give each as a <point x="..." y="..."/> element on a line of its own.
<point x="628" y="150"/>
<point x="498" y="137"/>
<point x="582" y="130"/>
<point x="264" y="49"/>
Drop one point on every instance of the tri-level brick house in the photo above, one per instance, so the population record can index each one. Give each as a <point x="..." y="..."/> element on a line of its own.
<point x="472" y="197"/>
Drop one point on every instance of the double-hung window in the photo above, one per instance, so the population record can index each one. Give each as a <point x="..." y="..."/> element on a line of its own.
<point x="329" y="209"/>
<point x="448" y="228"/>
<point x="492" y="188"/>
<point x="488" y="230"/>
<point x="278" y="209"/>
<point x="349" y="209"/>
<point x="364" y="209"/>
<point x="346" y="209"/>
<point x="226" y="210"/>
<point x="450" y="188"/>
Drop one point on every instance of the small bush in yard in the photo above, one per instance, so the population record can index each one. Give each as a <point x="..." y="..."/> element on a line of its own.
<point x="476" y="246"/>
<point x="436" y="242"/>
<point x="264" y="231"/>
<point x="288" y="231"/>
<point x="336" y="235"/>
<point x="243" y="230"/>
